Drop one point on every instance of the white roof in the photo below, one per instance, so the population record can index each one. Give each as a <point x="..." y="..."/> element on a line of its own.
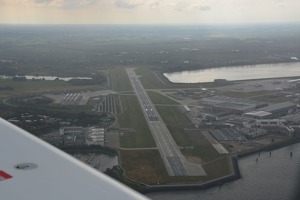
<point x="57" y="176"/>
<point x="259" y="113"/>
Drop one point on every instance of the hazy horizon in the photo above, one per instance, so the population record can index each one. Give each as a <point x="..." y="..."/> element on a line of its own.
<point x="149" y="12"/>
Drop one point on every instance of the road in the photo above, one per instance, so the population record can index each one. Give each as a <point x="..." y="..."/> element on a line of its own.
<point x="174" y="161"/>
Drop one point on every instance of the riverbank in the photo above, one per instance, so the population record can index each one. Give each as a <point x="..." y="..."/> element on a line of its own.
<point x="234" y="175"/>
<point x="119" y="174"/>
<point x="270" y="177"/>
<point x="196" y="68"/>
<point x="236" y="73"/>
<point x="270" y="147"/>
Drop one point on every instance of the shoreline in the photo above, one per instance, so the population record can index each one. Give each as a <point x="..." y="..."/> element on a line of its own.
<point x="182" y="79"/>
<point x="229" y="65"/>
<point x="235" y="173"/>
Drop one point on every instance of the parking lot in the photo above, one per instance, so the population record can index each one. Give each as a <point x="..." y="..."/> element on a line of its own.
<point x="98" y="161"/>
<point x="77" y="98"/>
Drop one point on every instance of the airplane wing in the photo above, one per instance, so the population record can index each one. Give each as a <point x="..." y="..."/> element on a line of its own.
<point x="33" y="169"/>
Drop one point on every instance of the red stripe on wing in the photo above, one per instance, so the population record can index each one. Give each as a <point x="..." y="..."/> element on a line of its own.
<point x="4" y="176"/>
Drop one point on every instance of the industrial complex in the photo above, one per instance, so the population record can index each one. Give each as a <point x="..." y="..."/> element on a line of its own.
<point x="229" y="118"/>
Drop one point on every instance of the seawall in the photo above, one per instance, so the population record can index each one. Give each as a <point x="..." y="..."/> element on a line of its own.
<point x="235" y="174"/>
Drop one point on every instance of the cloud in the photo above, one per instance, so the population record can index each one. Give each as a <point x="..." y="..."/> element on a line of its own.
<point x="79" y="3"/>
<point x="179" y="6"/>
<point x="128" y="4"/>
<point x="205" y="8"/>
<point x="131" y="4"/>
<point x="43" y="1"/>
<point x="154" y="4"/>
<point x="189" y="5"/>
<point x="59" y="3"/>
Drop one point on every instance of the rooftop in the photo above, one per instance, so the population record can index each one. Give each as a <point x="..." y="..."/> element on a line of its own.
<point x="278" y="106"/>
<point x="235" y="106"/>
<point x="258" y="113"/>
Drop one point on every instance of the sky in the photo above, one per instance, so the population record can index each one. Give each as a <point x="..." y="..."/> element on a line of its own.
<point x="149" y="11"/>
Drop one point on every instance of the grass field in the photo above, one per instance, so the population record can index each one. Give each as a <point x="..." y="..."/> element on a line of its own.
<point x="158" y="98"/>
<point x="172" y="115"/>
<point x="27" y="87"/>
<point x="149" y="80"/>
<point x="119" y="80"/>
<point x="133" y="118"/>
<point x="202" y="147"/>
<point x="176" y="122"/>
<point x="149" y="168"/>
<point x="205" y="152"/>
<point x="217" y="168"/>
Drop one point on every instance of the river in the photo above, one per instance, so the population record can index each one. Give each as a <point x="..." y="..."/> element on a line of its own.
<point x="274" y="177"/>
<point x="236" y="73"/>
<point x="47" y="78"/>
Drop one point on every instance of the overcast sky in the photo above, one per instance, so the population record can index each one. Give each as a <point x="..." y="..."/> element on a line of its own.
<point x="149" y="11"/>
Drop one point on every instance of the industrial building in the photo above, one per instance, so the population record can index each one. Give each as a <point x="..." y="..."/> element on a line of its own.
<point x="251" y="133"/>
<point x="259" y="114"/>
<point x="233" y="105"/>
<point x="293" y="118"/>
<point x="280" y="109"/>
<point x="213" y="115"/>
<point x="222" y="99"/>
<point x="246" y="122"/>
<point x="273" y="111"/>
<point x="276" y="125"/>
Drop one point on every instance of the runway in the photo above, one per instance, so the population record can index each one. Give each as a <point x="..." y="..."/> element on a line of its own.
<point x="173" y="159"/>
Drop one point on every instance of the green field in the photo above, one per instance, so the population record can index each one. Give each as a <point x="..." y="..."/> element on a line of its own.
<point x="19" y="88"/>
<point x="158" y="98"/>
<point x="206" y="152"/>
<point x="218" y="168"/>
<point x="149" y="80"/>
<point x="133" y="119"/>
<point x="149" y="168"/>
<point x="176" y="122"/>
<point x="202" y="148"/>
<point x="119" y="80"/>
<point x="173" y="116"/>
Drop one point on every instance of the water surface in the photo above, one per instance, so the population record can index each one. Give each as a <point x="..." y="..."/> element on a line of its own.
<point x="236" y="73"/>
<point x="274" y="177"/>
<point x="47" y="78"/>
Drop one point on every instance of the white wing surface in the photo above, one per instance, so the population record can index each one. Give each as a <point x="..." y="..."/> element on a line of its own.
<point x="31" y="169"/>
